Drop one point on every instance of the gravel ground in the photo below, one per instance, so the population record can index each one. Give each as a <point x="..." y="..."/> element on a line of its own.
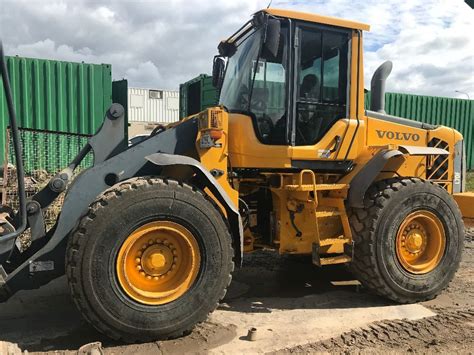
<point x="297" y="302"/>
<point x="450" y="331"/>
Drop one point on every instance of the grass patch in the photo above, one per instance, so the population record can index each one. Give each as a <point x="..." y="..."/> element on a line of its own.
<point x="470" y="181"/>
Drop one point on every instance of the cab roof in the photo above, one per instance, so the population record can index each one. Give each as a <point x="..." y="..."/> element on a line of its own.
<point x="327" y="20"/>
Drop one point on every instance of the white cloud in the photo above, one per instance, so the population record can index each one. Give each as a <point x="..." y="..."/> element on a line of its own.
<point x="145" y="73"/>
<point x="164" y="43"/>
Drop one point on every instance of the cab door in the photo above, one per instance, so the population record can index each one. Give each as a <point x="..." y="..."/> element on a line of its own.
<point x="321" y="124"/>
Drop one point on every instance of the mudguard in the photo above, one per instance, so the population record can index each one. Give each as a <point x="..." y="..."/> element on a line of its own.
<point x="367" y="175"/>
<point x="233" y="215"/>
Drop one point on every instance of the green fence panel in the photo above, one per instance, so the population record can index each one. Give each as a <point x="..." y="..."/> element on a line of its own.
<point x="196" y="95"/>
<point x="56" y="96"/>
<point x="120" y="96"/>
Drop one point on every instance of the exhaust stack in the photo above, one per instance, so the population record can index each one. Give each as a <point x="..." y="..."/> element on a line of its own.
<point x="377" y="87"/>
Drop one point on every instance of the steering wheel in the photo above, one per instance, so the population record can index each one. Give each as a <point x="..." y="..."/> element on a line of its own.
<point x="265" y="126"/>
<point x="244" y="97"/>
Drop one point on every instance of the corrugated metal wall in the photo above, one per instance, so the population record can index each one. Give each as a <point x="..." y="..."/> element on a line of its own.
<point x="154" y="106"/>
<point x="56" y="96"/>
<point x="202" y="87"/>
<point x="120" y="96"/>
<point x="455" y="113"/>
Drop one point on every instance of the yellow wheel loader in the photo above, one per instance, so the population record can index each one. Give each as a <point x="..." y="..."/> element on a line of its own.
<point x="290" y="160"/>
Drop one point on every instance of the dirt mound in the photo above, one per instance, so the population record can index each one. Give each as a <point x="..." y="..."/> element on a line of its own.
<point x="9" y="348"/>
<point x="448" y="331"/>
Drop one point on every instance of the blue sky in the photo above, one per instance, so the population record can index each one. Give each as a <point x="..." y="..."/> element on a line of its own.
<point x="160" y="44"/>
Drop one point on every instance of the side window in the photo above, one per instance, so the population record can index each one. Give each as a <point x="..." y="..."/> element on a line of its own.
<point x="322" y="83"/>
<point x="268" y="100"/>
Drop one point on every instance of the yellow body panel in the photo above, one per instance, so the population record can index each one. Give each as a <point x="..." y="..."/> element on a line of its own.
<point x="380" y="132"/>
<point x="216" y="157"/>
<point x="327" y="20"/>
<point x="465" y="202"/>
<point x="246" y="151"/>
<point x="344" y="128"/>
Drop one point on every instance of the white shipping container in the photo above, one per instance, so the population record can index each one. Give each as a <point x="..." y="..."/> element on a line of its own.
<point x="153" y="106"/>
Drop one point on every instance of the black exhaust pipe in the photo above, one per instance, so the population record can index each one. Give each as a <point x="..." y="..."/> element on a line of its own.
<point x="377" y="87"/>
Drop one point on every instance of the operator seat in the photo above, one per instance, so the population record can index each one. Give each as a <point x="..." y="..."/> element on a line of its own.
<point x="310" y="87"/>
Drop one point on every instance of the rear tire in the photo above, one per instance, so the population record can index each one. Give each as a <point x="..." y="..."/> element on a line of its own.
<point x="95" y="253"/>
<point x="380" y="239"/>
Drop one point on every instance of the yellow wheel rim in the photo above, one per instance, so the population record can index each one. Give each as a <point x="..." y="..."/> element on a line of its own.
<point x="158" y="262"/>
<point x="421" y="242"/>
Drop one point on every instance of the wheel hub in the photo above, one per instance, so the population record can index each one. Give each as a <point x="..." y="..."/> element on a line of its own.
<point x="157" y="259"/>
<point x="420" y="242"/>
<point x="158" y="262"/>
<point x="414" y="238"/>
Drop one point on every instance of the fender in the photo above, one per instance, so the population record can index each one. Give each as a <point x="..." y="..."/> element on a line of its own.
<point x="366" y="176"/>
<point x="233" y="215"/>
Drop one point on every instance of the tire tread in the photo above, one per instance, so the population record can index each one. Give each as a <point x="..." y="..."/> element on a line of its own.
<point x="78" y="240"/>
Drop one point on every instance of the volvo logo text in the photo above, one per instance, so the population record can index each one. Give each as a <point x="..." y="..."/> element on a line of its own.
<point x="399" y="136"/>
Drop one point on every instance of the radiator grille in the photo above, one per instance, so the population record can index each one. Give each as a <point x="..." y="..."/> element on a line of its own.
<point x="438" y="169"/>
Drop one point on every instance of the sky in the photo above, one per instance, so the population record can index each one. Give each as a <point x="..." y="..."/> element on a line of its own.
<point x="160" y="44"/>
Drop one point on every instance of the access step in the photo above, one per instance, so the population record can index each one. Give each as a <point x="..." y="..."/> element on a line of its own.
<point x="331" y="259"/>
<point x="327" y="213"/>
<point x="317" y="187"/>
<point x="333" y="241"/>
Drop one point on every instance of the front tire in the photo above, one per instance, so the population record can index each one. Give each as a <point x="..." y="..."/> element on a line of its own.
<point x="408" y="239"/>
<point x="150" y="260"/>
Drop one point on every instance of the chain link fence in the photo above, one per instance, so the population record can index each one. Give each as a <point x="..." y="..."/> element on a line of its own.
<point x="44" y="153"/>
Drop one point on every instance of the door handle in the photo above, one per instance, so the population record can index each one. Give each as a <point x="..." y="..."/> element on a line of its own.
<point x="337" y="143"/>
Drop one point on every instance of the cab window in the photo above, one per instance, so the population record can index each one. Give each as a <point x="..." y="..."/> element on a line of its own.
<point x="321" y="93"/>
<point x="268" y="96"/>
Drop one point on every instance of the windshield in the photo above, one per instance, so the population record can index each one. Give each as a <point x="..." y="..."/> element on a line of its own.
<point x="237" y="83"/>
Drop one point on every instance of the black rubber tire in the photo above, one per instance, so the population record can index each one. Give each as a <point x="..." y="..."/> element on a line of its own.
<point x="374" y="230"/>
<point x="94" y="245"/>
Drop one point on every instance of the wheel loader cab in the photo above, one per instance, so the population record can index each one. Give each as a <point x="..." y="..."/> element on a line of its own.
<point x="292" y="91"/>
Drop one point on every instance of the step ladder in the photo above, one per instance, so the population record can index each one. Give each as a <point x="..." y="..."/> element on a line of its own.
<point x="338" y="209"/>
<point x="330" y="259"/>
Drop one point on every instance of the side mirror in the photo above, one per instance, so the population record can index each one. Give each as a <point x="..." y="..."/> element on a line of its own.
<point x="272" y="36"/>
<point x="218" y="71"/>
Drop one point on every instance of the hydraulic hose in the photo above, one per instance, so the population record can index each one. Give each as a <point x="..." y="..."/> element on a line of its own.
<point x="20" y="173"/>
